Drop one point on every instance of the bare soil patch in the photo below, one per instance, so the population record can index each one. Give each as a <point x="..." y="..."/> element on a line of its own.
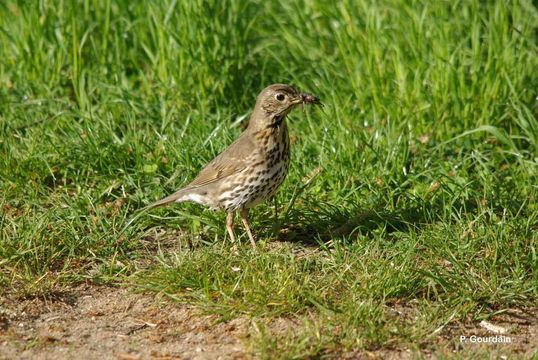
<point x="103" y="322"/>
<point x="92" y="322"/>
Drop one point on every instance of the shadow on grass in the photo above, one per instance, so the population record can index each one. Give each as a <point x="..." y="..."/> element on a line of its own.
<point x="323" y="227"/>
<point x="313" y="230"/>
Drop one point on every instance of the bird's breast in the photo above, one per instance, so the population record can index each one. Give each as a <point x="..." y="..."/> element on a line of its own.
<point x="260" y="180"/>
<point x="273" y="143"/>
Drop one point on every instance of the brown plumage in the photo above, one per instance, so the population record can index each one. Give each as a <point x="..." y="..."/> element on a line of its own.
<point x="253" y="167"/>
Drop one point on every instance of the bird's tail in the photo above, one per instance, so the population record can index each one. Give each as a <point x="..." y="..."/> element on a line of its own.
<point x="175" y="197"/>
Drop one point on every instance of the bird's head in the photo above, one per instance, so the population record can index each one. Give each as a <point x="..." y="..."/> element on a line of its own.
<point x="273" y="104"/>
<point x="278" y="99"/>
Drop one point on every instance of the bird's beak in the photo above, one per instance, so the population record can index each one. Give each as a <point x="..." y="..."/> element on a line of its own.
<point x="297" y="100"/>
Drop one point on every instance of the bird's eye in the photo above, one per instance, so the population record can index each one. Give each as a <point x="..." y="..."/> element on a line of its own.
<point x="280" y="97"/>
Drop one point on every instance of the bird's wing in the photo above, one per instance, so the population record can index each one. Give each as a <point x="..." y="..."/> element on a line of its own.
<point x="232" y="160"/>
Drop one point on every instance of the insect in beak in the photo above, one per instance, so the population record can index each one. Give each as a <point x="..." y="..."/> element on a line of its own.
<point x="307" y="98"/>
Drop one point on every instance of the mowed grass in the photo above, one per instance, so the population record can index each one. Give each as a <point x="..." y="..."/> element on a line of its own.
<point x="411" y="202"/>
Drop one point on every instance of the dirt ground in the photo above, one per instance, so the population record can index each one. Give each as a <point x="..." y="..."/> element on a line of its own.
<point x="93" y="322"/>
<point x="114" y="323"/>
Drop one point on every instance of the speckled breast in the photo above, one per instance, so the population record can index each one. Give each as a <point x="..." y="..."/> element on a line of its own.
<point x="268" y="171"/>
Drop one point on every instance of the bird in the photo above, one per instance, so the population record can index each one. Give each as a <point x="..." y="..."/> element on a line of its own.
<point x="253" y="167"/>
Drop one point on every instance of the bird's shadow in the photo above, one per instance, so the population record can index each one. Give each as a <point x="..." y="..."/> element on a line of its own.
<point x="315" y="228"/>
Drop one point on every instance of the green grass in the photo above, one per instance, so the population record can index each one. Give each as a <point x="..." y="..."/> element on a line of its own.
<point x="427" y="152"/>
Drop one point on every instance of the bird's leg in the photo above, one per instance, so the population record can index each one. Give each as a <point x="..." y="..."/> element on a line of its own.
<point x="246" y="224"/>
<point x="276" y="221"/>
<point x="230" y="225"/>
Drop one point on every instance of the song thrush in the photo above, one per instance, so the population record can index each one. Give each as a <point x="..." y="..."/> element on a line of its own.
<point x="253" y="167"/>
